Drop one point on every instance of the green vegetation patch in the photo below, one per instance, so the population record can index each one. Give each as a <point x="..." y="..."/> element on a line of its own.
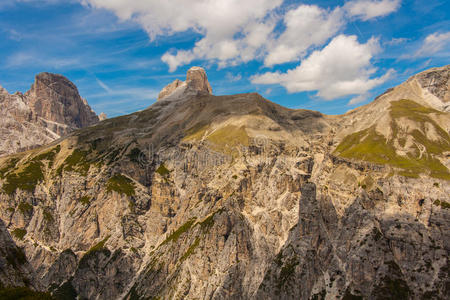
<point x="25" y="180"/>
<point x="66" y="291"/>
<point x="19" y="233"/>
<point x="228" y="137"/>
<point x="368" y="145"/>
<point x="25" y="208"/>
<point x="442" y="204"/>
<point x="162" y="170"/>
<point x="85" y="200"/>
<point x="8" y="166"/>
<point x="287" y="271"/>
<point x="223" y="139"/>
<point x="349" y="296"/>
<point x="196" y="132"/>
<point x="48" y="217"/>
<point x="136" y="155"/>
<point x="410" y="109"/>
<point x="207" y="223"/>
<point x="49" y="155"/>
<point x="31" y="174"/>
<point x="191" y="249"/>
<point x="99" y="247"/>
<point x="177" y="233"/>
<point x="121" y="184"/>
<point x="24" y="293"/>
<point x="76" y="162"/>
<point x="16" y="257"/>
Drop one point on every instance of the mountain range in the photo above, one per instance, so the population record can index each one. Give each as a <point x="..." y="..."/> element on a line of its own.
<point x="230" y="197"/>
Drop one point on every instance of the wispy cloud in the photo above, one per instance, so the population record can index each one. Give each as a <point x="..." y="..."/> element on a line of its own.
<point x="233" y="77"/>
<point x="122" y="100"/>
<point x="433" y="44"/>
<point x="396" y="41"/>
<point x="369" y="9"/>
<point x="103" y="86"/>
<point x="27" y="58"/>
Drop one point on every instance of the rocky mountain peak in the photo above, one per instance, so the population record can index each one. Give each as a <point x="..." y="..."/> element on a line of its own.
<point x="102" y="116"/>
<point x="50" y="109"/>
<point x="196" y="79"/>
<point x="436" y="81"/>
<point x="196" y="82"/>
<point x="2" y="90"/>
<point x="169" y="89"/>
<point x="55" y="98"/>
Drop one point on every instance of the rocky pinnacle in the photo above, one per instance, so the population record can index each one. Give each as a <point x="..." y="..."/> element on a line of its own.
<point x="196" y="81"/>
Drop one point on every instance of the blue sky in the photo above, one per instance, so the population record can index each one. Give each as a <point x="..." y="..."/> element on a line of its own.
<point x="329" y="56"/>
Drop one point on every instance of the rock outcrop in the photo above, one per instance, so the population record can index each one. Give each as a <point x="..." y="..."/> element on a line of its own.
<point x="169" y="89"/>
<point x="436" y="81"/>
<point x="50" y="109"/>
<point x="102" y="116"/>
<point x="196" y="84"/>
<point x="15" y="271"/>
<point x="197" y="80"/>
<point x="235" y="197"/>
<point x="54" y="98"/>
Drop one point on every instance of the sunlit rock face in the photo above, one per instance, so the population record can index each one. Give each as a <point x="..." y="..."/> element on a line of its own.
<point x="196" y="83"/>
<point x="236" y="197"/>
<point x="50" y="109"/>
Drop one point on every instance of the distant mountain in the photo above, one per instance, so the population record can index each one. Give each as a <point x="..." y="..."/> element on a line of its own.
<point x="406" y="128"/>
<point x="236" y="197"/>
<point x="50" y="109"/>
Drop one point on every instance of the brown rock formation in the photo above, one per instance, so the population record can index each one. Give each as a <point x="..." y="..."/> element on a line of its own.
<point x="54" y="98"/>
<point x="196" y="83"/>
<point x="169" y="89"/>
<point x="50" y="109"/>
<point x="197" y="80"/>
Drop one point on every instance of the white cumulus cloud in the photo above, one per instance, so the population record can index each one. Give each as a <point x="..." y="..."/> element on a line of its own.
<point x="341" y="68"/>
<point x="235" y="31"/>
<point x="369" y="9"/>
<point x="217" y="20"/>
<point x="306" y="26"/>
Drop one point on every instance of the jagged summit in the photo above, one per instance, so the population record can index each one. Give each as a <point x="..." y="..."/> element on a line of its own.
<point x="196" y="83"/>
<point x="55" y="98"/>
<point x="437" y="82"/>
<point x="430" y="87"/>
<point x="50" y="109"/>
<point x="102" y="116"/>
<point x="2" y="90"/>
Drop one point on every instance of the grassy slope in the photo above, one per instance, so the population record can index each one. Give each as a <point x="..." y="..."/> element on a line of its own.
<point x="371" y="146"/>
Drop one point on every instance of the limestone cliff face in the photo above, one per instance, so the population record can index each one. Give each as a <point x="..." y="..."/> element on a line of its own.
<point x="437" y="81"/>
<point x="169" y="89"/>
<point x="54" y="98"/>
<point x="196" y="84"/>
<point x="197" y="80"/>
<point x="235" y="197"/>
<point x="14" y="267"/>
<point x="50" y="109"/>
